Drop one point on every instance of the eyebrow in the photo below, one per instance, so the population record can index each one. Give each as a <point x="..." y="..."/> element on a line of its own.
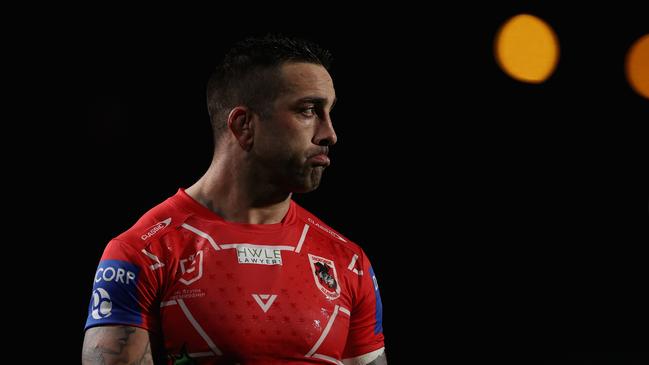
<point x="316" y="100"/>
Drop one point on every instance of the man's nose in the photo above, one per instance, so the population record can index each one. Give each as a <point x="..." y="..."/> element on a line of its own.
<point x="325" y="134"/>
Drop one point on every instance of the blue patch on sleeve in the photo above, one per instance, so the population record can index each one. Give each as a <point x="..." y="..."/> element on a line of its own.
<point x="114" y="295"/>
<point x="379" y="306"/>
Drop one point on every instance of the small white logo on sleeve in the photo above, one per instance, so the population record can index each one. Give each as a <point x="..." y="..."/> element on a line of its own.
<point x="328" y="230"/>
<point x="101" y="304"/>
<point x="155" y="228"/>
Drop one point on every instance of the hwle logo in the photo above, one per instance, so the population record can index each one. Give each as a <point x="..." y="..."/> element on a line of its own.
<point x="259" y="255"/>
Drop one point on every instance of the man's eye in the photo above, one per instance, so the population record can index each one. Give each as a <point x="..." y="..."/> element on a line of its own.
<point x="309" y="112"/>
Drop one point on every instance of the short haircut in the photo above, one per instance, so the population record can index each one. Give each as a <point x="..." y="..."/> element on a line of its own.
<point x="249" y="74"/>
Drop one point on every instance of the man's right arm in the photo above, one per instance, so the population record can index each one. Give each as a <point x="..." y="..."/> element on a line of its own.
<point x="108" y="345"/>
<point x="120" y="312"/>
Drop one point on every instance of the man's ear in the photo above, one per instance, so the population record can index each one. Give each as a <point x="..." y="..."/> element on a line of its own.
<point x="241" y="126"/>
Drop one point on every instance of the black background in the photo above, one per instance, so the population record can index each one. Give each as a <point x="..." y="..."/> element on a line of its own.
<point x="506" y="222"/>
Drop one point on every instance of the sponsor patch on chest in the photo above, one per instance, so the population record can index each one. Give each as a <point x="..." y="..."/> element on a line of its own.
<point x="259" y="255"/>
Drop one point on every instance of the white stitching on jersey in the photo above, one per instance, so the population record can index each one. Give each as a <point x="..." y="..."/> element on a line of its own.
<point x="202" y="234"/>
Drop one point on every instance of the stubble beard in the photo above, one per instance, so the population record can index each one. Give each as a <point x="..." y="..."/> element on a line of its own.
<point x="315" y="176"/>
<point x="295" y="175"/>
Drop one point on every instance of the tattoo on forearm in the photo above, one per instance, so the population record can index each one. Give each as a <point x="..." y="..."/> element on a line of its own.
<point x="115" y="345"/>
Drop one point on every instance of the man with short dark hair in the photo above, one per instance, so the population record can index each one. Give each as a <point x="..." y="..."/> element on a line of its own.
<point x="231" y="270"/>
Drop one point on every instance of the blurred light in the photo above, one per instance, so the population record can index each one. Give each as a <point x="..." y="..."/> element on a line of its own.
<point x="637" y="66"/>
<point x="527" y="48"/>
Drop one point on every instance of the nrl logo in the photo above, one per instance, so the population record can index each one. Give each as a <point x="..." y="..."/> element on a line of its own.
<point x="325" y="276"/>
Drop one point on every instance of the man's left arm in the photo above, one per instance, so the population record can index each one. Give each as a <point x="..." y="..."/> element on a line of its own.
<point x="365" y="342"/>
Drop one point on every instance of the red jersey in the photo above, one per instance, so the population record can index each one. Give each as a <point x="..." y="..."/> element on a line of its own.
<point x="295" y="292"/>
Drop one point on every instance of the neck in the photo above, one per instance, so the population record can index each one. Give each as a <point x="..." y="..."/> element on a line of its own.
<point x="226" y="190"/>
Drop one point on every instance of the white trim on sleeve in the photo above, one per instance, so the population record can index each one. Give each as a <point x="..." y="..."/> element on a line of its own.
<point x="364" y="359"/>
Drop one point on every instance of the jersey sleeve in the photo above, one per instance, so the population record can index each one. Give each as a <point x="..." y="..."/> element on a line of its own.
<point x="125" y="289"/>
<point x="366" y="320"/>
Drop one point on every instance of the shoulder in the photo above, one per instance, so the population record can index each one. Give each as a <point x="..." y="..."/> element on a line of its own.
<point x="155" y="223"/>
<point x="327" y="233"/>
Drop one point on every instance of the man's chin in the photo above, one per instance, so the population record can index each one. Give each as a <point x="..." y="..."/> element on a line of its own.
<point x="303" y="189"/>
<point x="306" y="188"/>
<point x="310" y="182"/>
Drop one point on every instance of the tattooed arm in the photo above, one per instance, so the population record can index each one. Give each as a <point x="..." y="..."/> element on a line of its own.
<point x="108" y="345"/>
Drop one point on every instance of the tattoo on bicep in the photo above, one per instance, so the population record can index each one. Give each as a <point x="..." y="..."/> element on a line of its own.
<point x="146" y="358"/>
<point x="122" y="340"/>
<point x="111" y="341"/>
<point x="91" y="356"/>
